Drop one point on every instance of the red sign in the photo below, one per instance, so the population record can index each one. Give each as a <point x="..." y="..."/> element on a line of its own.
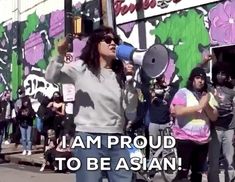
<point x="141" y="5"/>
<point x="122" y="8"/>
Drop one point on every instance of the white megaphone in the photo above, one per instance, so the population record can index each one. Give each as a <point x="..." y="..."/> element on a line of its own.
<point x="154" y="60"/>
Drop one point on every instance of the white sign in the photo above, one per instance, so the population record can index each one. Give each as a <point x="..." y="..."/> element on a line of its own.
<point x="130" y="10"/>
<point x="68" y="92"/>
<point x="69" y="108"/>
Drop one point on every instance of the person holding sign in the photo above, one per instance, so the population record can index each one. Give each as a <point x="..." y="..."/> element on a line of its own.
<point x="102" y="99"/>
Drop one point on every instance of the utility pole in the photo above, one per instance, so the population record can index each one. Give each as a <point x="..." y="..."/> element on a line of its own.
<point x="68" y="89"/>
<point x="108" y="14"/>
<point x="68" y="23"/>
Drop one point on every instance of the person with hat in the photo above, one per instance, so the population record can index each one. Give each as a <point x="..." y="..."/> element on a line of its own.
<point x="193" y="108"/>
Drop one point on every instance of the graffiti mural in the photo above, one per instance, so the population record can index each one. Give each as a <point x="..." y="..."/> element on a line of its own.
<point x="188" y="34"/>
<point x="33" y="48"/>
<point x="27" y="46"/>
<point x="222" y="20"/>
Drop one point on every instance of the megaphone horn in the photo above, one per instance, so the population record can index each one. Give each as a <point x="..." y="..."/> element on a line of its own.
<point x="153" y="61"/>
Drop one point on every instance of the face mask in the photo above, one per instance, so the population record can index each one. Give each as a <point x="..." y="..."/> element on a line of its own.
<point x="56" y="98"/>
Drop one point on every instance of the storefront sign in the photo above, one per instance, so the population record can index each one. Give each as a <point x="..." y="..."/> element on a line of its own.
<point x="130" y="10"/>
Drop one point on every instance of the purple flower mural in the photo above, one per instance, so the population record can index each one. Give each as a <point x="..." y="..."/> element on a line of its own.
<point x="34" y="48"/>
<point x="169" y="71"/>
<point x="78" y="45"/>
<point x="222" y="18"/>
<point x="56" y="23"/>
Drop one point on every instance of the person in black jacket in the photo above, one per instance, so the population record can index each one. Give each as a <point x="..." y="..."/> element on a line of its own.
<point x="1" y="122"/>
<point x="26" y="116"/>
<point x="6" y="107"/>
<point x="46" y="117"/>
<point x="159" y="109"/>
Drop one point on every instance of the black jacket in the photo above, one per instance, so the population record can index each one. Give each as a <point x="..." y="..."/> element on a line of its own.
<point x="26" y="113"/>
<point x="3" y="108"/>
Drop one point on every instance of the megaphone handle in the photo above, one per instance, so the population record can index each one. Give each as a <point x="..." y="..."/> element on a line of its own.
<point x="129" y="76"/>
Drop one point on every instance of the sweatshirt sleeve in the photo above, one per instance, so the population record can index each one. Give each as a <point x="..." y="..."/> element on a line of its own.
<point x="57" y="72"/>
<point x="130" y="101"/>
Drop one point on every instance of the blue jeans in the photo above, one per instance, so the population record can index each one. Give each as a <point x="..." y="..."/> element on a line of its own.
<point x="39" y="124"/>
<point x="26" y="133"/>
<point x="114" y="154"/>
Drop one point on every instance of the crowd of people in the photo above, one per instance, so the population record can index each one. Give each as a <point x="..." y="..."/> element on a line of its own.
<point x="203" y="121"/>
<point x="202" y="112"/>
<point x="21" y="124"/>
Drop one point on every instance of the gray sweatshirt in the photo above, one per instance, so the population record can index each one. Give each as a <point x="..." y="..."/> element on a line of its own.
<point x="100" y="103"/>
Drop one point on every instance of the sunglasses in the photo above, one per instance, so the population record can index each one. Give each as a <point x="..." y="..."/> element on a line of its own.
<point x="108" y="39"/>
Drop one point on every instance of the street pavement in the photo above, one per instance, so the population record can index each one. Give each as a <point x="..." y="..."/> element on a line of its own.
<point x="10" y="172"/>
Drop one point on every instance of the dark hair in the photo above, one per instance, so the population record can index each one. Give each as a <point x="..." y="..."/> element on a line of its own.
<point x="196" y="72"/>
<point x="221" y="67"/>
<point x="90" y="54"/>
<point x="26" y="100"/>
<point x="45" y="101"/>
<point x="60" y="96"/>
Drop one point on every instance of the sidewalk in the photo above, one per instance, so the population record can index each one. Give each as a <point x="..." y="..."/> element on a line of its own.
<point x="13" y="154"/>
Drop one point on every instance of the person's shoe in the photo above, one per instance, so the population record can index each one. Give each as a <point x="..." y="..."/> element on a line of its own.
<point x="42" y="168"/>
<point x="24" y="152"/>
<point x="29" y="152"/>
<point x="6" y="142"/>
<point x="55" y="168"/>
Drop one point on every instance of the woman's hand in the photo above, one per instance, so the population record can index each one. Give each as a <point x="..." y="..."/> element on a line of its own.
<point x="129" y="125"/>
<point x="129" y="69"/>
<point x="206" y="58"/>
<point x="62" y="47"/>
<point x="204" y="100"/>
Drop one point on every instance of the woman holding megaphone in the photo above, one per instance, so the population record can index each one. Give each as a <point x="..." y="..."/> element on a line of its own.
<point x="103" y="97"/>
